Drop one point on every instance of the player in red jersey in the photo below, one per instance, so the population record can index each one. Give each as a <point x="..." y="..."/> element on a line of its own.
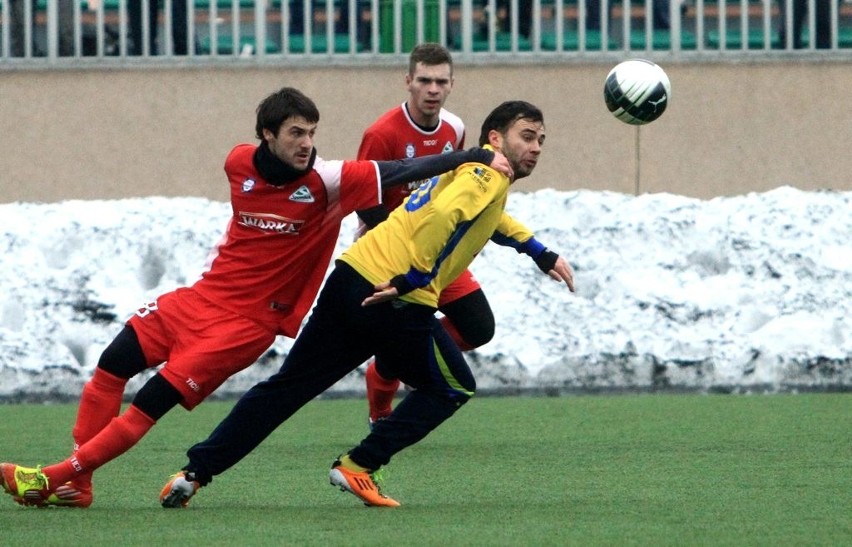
<point x="262" y="279"/>
<point x="422" y="126"/>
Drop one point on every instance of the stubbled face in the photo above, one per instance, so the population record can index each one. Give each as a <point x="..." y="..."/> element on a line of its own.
<point x="428" y="89"/>
<point x="521" y="144"/>
<point x="294" y="142"/>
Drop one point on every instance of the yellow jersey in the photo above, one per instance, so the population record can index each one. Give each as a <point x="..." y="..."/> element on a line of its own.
<point x="438" y="231"/>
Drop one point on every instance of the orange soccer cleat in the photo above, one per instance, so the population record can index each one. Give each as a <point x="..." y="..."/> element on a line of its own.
<point x="361" y="484"/>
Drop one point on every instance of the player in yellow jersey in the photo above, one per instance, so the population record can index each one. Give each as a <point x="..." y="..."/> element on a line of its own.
<point x="381" y="300"/>
<point x="421" y="126"/>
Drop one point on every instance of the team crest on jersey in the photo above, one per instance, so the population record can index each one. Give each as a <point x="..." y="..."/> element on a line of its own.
<point x="448" y="148"/>
<point x="267" y="222"/>
<point x="248" y="185"/>
<point x="302" y="195"/>
<point x="409" y="150"/>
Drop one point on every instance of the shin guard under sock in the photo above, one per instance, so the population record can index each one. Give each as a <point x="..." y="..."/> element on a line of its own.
<point x="113" y="440"/>
<point x="100" y="402"/>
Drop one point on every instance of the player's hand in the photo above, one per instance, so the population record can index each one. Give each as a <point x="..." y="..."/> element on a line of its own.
<point x="501" y="163"/>
<point x="383" y="293"/>
<point x="562" y="272"/>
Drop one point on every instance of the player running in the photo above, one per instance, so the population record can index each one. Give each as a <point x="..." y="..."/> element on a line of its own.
<point x="380" y="299"/>
<point x="418" y="127"/>
<point x="287" y="205"/>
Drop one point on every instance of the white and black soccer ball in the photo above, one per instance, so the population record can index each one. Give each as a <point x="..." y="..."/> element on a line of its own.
<point x="637" y="91"/>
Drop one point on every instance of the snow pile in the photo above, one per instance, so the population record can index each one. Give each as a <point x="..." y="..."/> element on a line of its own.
<point x="748" y="293"/>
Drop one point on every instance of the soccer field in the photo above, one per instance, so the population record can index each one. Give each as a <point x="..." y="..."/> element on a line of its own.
<point x="588" y="470"/>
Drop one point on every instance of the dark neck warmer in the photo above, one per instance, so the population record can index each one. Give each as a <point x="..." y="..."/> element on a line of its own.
<point x="275" y="171"/>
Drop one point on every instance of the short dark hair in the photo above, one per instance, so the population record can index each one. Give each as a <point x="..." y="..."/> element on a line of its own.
<point x="430" y="54"/>
<point x="281" y="105"/>
<point x="502" y="117"/>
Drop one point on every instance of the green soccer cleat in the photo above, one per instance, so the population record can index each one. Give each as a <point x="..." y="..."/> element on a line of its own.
<point x="69" y="495"/>
<point x="26" y="485"/>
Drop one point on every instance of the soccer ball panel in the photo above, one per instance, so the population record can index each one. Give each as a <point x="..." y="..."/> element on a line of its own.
<point x="637" y="91"/>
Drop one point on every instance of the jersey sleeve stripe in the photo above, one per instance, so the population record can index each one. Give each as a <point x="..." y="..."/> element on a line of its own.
<point x="378" y="182"/>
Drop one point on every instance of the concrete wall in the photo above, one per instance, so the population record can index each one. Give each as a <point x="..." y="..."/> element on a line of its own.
<point x="729" y="129"/>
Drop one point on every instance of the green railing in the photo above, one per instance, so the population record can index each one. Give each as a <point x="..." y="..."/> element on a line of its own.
<point x="363" y="28"/>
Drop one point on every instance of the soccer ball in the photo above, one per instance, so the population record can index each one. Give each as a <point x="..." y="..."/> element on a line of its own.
<point x="637" y="91"/>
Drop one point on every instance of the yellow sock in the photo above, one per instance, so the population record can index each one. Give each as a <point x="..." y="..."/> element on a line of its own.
<point x="346" y="461"/>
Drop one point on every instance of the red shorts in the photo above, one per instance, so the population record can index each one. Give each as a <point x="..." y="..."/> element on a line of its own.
<point x="201" y="344"/>
<point x="463" y="285"/>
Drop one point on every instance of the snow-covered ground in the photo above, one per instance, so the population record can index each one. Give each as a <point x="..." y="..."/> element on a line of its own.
<point x="747" y="293"/>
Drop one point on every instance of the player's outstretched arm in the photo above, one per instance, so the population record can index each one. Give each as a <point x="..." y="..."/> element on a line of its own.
<point x="412" y="169"/>
<point x="512" y="233"/>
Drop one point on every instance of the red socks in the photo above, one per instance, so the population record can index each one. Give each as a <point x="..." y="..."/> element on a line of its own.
<point x="380" y="392"/>
<point x="100" y="402"/>
<point x="113" y="440"/>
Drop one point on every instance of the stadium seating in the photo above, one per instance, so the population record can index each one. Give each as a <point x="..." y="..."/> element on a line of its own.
<point x="571" y="41"/>
<point x="502" y="42"/>
<point x="661" y="40"/>
<point x="225" y="45"/>
<point x="707" y="21"/>
<point x="756" y="39"/>
<point x="319" y="43"/>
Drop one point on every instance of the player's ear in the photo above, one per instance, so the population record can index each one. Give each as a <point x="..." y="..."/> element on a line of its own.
<point x="495" y="139"/>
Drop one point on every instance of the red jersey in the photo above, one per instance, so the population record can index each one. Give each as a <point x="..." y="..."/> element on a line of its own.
<point x="395" y="136"/>
<point x="276" y="250"/>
